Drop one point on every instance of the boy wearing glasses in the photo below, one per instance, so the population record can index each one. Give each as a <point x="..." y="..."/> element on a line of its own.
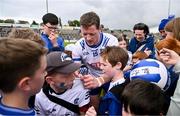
<point x="50" y="26"/>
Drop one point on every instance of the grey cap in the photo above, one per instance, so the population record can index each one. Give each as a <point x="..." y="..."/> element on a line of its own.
<point x="61" y="63"/>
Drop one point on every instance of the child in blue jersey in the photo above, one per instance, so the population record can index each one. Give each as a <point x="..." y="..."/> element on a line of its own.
<point x="50" y="33"/>
<point x="22" y="71"/>
<point x="112" y="62"/>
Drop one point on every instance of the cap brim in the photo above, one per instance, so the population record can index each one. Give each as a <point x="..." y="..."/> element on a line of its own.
<point x="70" y="68"/>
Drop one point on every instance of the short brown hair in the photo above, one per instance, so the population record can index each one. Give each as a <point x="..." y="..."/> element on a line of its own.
<point x="115" y="54"/>
<point x="140" y="55"/>
<point x="18" y="58"/>
<point x="26" y="33"/>
<point x="90" y="18"/>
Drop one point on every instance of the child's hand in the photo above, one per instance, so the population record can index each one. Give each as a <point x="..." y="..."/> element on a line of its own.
<point x="91" y="112"/>
<point x="53" y="38"/>
<point x="89" y="81"/>
<point x="169" y="56"/>
<point x="147" y="51"/>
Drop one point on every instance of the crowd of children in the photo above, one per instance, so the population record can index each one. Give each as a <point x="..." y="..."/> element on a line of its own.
<point x="98" y="75"/>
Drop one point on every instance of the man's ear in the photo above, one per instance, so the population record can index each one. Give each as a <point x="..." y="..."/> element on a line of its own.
<point x="24" y="84"/>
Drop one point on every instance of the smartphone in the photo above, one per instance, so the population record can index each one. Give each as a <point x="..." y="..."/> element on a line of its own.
<point x="84" y="70"/>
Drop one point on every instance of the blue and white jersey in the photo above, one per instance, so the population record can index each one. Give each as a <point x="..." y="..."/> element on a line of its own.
<point x="90" y="55"/>
<point x="6" y="110"/>
<point x="77" y="95"/>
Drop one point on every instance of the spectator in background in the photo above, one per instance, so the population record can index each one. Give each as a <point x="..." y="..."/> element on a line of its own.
<point x="87" y="49"/>
<point x="50" y="33"/>
<point x="123" y="43"/>
<point x="22" y="72"/>
<point x="26" y="33"/>
<point x="162" y="26"/>
<point x="142" y="40"/>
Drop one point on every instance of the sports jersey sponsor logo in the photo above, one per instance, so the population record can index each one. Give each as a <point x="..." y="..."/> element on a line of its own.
<point x="76" y="101"/>
<point x="85" y="53"/>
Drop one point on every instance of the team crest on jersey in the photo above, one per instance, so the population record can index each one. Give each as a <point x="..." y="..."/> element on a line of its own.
<point x="65" y="57"/>
<point x="76" y="101"/>
<point x="95" y="52"/>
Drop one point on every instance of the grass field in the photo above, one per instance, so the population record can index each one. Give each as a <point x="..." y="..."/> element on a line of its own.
<point x="67" y="42"/>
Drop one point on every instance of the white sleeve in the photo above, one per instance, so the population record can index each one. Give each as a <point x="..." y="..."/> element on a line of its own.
<point x="38" y="107"/>
<point x="84" y="98"/>
<point x="113" y="41"/>
<point x="76" y="52"/>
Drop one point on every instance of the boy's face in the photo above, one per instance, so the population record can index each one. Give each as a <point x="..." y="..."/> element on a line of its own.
<point x="62" y="81"/>
<point x="48" y="28"/>
<point x="38" y="78"/>
<point x="107" y="68"/>
<point x="91" y="34"/>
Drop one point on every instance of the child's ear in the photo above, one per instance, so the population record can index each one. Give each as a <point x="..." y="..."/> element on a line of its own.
<point x="118" y="66"/>
<point x="24" y="83"/>
<point x="49" y="80"/>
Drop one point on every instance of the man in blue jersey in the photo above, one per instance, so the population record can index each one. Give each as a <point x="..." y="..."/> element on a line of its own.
<point x="22" y="72"/>
<point x="142" y="40"/>
<point x="87" y="49"/>
<point x="50" y="33"/>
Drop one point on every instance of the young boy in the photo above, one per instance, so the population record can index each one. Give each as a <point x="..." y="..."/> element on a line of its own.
<point x="112" y="62"/>
<point x="60" y="86"/>
<point x="49" y="35"/>
<point x="22" y="72"/>
<point x="143" y="98"/>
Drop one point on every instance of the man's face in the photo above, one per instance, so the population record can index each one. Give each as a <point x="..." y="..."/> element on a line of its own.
<point x="91" y="34"/>
<point x="38" y="79"/>
<point x="48" y="28"/>
<point x="139" y="34"/>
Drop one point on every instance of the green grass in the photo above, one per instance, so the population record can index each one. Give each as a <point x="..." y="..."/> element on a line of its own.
<point x="66" y="43"/>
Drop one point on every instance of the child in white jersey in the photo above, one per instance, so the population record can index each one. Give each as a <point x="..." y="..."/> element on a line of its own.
<point x="61" y="94"/>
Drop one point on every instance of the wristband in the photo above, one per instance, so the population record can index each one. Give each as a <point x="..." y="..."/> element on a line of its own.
<point x="99" y="82"/>
<point x="102" y="80"/>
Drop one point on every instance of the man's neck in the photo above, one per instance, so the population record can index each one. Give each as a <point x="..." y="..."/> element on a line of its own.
<point x="16" y="100"/>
